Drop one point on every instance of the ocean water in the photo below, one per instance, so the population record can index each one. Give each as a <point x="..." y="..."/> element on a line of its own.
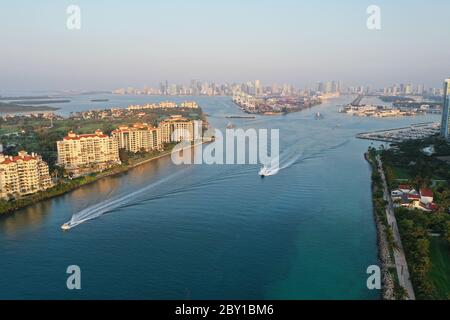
<point x="211" y="231"/>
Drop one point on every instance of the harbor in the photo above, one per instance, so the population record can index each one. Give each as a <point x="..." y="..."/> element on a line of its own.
<point x="415" y="131"/>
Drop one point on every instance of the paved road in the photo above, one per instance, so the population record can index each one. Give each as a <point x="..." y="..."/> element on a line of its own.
<point x="399" y="254"/>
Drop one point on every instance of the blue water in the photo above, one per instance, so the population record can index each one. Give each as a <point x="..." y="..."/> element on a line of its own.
<point x="212" y="232"/>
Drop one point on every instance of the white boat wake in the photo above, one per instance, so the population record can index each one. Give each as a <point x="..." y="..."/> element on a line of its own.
<point x="103" y="207"/>
<point x="293" y="156"/>
<point x="283" y="161"/>
<point x="140" y="196"/>
<point x="267" y="171"/>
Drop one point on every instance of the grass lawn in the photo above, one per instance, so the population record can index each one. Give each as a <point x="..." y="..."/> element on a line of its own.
<point x="440" y="272"/>
<point x="402" y="173"/>
<point x="8" y="129"/>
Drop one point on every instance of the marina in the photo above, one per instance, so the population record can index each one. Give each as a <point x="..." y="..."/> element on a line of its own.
<point x="415" y="131"/>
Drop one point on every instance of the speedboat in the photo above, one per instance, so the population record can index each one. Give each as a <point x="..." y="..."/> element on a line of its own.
<point x="319" y="116"/>
<point x="65" y="227"/>
<point x="263" y="172"/>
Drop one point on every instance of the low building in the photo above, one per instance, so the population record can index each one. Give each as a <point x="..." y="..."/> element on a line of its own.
<point x="406" y="188"/>
<point x="406" y="196"/>
<point x="426" y="196"/>
<point x="396" y="194"/>
<point x="23" y="174"/>
<point x="139" y="137"/>
<point x="405" y="193"/>
<point x="96" y="151"/>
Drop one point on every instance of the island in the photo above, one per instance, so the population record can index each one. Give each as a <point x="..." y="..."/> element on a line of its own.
<point x="400" y="107"/>
<point x="39" y="137"/>
<point x="39" y="102"/>
<point x="17" y="108"/>
<point x="274" y="105"/>
<point x="24" y="98"/>
<point x="99" y="100"/>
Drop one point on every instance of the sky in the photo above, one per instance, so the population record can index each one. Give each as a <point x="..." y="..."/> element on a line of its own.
<point x="138" y="43"/>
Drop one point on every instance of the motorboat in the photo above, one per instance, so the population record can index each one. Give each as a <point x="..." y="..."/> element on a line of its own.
<point x="65" y="226"/>
<point x="263" y="172"/>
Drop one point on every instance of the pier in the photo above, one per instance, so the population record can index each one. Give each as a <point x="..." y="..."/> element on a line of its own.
<point x="357" y="101"/>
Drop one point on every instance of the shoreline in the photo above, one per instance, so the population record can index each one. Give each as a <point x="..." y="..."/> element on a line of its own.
<point x="34" y="198"/>
<point x="276" y="113"/>
<point x="384" y="256"/>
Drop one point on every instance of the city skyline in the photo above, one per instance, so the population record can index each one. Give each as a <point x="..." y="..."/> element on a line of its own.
<point x="120" y="45"/>
<point x="256" y="87"/>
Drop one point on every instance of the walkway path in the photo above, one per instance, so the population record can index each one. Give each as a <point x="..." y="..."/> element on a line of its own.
<point x="399" y="254"/>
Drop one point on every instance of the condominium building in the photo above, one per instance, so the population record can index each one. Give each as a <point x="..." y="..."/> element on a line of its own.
<point x="445" y="126"/>
<point x="189" y="105"/>
<point x="168" y="105"/>
<point x="177" y="129"/>
<point x="23" y="174"/>
<point x="164" y="105"/>
<point x="139" y="137"/>
<point x="79" y="150"/>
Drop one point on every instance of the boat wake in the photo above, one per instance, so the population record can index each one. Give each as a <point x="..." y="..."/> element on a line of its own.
<point x="286" y="159"/>
<point x="293" y="156"/>
<point x="109" y="205"/>
<point x="145" y="195"/>
<point x="267" y="171"/>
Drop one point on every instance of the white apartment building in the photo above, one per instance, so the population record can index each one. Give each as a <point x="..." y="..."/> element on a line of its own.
<point x="139" y="137"/>
<point x="23" y="174"/>
<point x="78" y="150"/>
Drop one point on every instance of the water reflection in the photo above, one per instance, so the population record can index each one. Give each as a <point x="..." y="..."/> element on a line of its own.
<point x="81" y="198"/>
<point x="32" y="216"/>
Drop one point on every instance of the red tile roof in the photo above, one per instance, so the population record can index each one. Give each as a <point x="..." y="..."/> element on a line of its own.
<point x="135" y="127"/>
<point x="73" y="136"/>
<point x="9" y="160"/>
<point x="429" y="206"/>
<point x="426" y="193"/>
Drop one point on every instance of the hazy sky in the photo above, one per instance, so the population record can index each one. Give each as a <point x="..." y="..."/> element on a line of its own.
<point x="137" y="43"/>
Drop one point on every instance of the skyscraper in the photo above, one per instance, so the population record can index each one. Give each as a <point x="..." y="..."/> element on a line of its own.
<point x="445" y="126"/>
<point x="258" y="89"/>
<point x="420" y="89"/>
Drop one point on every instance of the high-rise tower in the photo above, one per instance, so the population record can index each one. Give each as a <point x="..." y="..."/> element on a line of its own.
<point x="445" y="126"/>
